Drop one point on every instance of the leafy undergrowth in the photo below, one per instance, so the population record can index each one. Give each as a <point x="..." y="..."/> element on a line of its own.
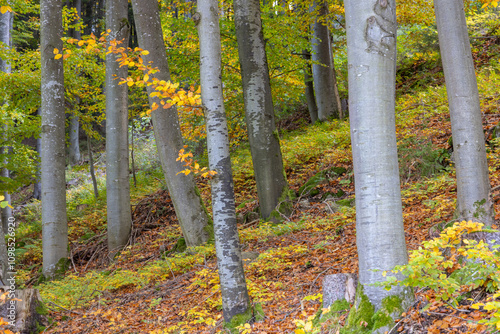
<point x="150" y="289"/>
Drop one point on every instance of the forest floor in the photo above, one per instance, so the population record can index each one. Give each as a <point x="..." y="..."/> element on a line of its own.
<point x="151" y="290"/>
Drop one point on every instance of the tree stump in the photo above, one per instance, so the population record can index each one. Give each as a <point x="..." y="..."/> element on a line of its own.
<point x="339" y="286"/>
<point x="22" y="311"/>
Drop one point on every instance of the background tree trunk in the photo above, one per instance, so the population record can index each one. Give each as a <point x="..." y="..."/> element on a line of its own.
<point x="235" y="298"/>
<point x="325" y="82"/>
<point x="473" y="184"/>
<point x="74" y="124"/>
<point x="271" y="182"/>
<point x="189" y="208"/>
<point x="37" y="186"/>
<point x="117" y="164"/>
<point x="371" y="45"/>
<point x="309" y="92"/>
<point x="54" y="219"/>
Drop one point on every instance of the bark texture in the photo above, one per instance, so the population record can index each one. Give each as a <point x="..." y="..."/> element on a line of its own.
<point x="371" y="42"/>
<point x="259" y="110"/>
<point x="325" y="82"/>
<point x="235" y="298"/>
<point x="473" y="186"/>
<point x="117" y="164"/>
<point x="54" y="219"/>
<point x="189" y="208"/>
<point x="23" y="312"/>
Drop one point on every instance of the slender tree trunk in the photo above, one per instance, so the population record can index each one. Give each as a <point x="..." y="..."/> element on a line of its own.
<point x="91" y="168"/>
<point x="272" y="185"/>
<point x="308" y="81"/>
<point x="325" y="81"/>
<point x="74" y="140"/>
<point x="54" y="219"/>
<point x="371" y="45"/>
<point x="117" y="164"/>
<point x="132" y="162"/>
<point x="235" y="298"/>
<point x="193" y="218"/>
<point x="74" y="124"/>
<point x="37" y="186"/>
<point x="473" y="186"/>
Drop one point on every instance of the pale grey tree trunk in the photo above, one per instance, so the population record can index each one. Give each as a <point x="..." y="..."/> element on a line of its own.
<point x="54" y="219"/>
<point x="325" y="82"/>
<point x="473" y="185"/>
<point x="235" y="298"/>
<point x="74" y="123"/>
<point x="271" y="182"/>
<point x="189" y="208"/>
<point x="117" y="164"/>
<point x="5" y="37"/>
<point x="371" y="45"/>
<point x="74" y="140"/>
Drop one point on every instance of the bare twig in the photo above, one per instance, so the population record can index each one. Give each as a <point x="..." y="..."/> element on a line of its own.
<point x="64" y="308"/>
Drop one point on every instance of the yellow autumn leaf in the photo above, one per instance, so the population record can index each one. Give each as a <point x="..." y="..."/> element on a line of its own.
<point x="154" y="106"/>
<point x="5" y="9"/>
<point x="300" y="331"/>
<point x="145" y="52"/>
<point x="196" y="166"/>
<point x="80" y="43"/>
<point x="130" y="83"/>
<point x="2" y="197"/>
<point x="56" y="51"/>
<point x="146" y="77"/>
<point x="57" y="56"/>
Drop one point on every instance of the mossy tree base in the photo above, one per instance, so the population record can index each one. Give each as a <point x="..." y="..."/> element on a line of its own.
<point x="284" y="207"/>
<point x="364" y="319"/>
<point x="254" y="313"/>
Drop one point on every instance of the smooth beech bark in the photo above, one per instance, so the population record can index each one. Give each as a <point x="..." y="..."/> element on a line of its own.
<point x="325" y="82"/>
<point x="473" y="185"/>
<point x="235" y="298"/>
<point x="193" y="218"/>
<point x="117" y="164"/>
<point x="272" y="186"/>
<point x="54" y="219"/>
<point x="371" y="45"/>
